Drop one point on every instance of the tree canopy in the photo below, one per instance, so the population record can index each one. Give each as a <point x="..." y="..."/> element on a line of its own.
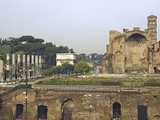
<point x="82" y="67"/>
<point x="31" y="45"/>
<point x="66" y="68"/>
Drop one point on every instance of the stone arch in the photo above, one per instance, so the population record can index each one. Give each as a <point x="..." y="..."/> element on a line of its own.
<point x="156" y="117"/>
<point x="64" y="100"/>
<point x="136" y="53"/>
<point x="67" y="109"/>
<point x="116" y="111"/>
<point x="136" y="37"/>
<point x="136" y="32"/>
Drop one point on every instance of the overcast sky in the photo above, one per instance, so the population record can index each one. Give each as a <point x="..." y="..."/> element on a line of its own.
<point x="80" y="24"/>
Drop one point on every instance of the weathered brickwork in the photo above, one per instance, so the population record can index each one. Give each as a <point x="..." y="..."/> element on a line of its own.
<point x="132" y="50"/>
<point x="85" y="104"/>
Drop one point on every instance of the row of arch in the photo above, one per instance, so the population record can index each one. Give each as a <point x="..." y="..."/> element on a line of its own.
<point x="42" y="111"/>
<point x="67" y="111"/>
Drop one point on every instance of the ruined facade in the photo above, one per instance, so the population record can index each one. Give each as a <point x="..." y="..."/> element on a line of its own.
<point x="20" y="67"/>
<point x="133" y="51"/>
<point x="82" y="103"/>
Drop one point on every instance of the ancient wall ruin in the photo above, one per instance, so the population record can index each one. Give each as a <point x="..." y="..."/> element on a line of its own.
<point x="83" y="103"/>
<point x="131" y="51"/>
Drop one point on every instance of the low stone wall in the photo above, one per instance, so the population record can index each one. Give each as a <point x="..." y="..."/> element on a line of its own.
<point x="84" y="102"/>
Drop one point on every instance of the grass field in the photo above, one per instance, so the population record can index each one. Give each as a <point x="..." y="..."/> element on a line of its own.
<point x="105" y="81"/>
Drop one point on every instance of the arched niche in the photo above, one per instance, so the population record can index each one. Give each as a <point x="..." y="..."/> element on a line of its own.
<point x="67" y="109"/>
<point x="136" y="37"/>
<point x="116" y="111"/>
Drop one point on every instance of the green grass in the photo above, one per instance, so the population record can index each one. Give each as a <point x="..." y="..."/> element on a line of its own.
<point x="108" y="81"/>
<point x="79" y="82"/>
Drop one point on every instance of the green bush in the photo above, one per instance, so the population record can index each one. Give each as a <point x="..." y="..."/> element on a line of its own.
<point x="82" y="68"/>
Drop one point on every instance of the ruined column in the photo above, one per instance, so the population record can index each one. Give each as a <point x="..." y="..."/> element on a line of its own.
<point x="36" y="66"/>
<point x="32" y="67"/>
<point x="24" y="66"/>
<point x="13" y="74"/>
<point x="40" y="65"/>
<point x="18" y="67"/>
<point x="1" y="70"/>
<point x="7" y="68"/>
<point x="28" y="66"/>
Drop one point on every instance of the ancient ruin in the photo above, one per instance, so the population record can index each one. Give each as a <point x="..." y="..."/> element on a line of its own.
<point x="20" y="67"/>
<point x="82" y="103"/>
<point x="133" y="51"/>
<point x="136" y="98"/>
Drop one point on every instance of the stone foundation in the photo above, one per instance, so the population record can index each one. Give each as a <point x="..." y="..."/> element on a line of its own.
<point x="92" y="103"/>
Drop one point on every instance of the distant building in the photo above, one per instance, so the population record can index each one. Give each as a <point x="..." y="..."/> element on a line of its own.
<point x="95" y="58"/>
<point x="62" y="58"/>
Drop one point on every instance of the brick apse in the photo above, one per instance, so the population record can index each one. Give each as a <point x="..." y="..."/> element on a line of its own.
<point x="82" y="103"/>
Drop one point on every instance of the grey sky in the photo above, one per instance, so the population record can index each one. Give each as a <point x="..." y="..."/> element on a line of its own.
<point x="80" y="24"/>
